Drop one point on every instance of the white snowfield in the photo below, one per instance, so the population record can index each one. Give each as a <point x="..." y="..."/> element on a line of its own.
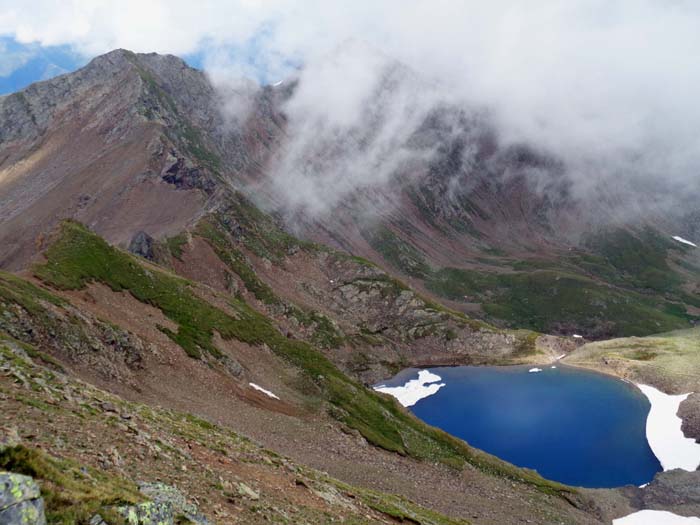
<point x="664" y="433"/>
<point x="415" y="389"/>
<point x="264" y="391"/>
<point x="684" y="241"/>
<point x="655" y="517"/>
<point x="535" y="370"/>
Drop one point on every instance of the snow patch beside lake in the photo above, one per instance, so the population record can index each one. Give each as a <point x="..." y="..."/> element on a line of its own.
<point x="664" y="433"/>
<point x="414" y="390"/>
<point x="264" y="391"/>
<point x="684" y="241"/>
<point x="535" y="370"/>
<point x="655" y="517"/>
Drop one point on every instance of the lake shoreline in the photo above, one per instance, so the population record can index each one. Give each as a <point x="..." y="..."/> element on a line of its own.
<point x="484" y="405"/>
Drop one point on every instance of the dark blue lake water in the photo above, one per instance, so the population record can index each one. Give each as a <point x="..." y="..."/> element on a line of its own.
<point x="573" y="426"/>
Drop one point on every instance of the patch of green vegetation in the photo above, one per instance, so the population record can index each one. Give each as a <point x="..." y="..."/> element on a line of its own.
<point x="458" y="284"/>
<point x="640" y="259"/>
<point x="31" y="351"/>
<point x="42" y="356"/>
<point x="175" y="245"/>
<point x="72" y="494"/>
<point x="258" y="231"/>
<point x="365" y="338"/>
<point x="669" y="361"/>
<point x="547" y="301"/>
<point x="29" y="296"/>
<point x="397" y="252"/>
<point x="642" y="355"/>
<point x="552" y="301"/>
<point x="325" y="333"/>
<point x="398" y="508"/>
<point x="195" y="146"/>
<point x="236" y="262"/>
<point x="526" y="265"/>
<point x="527" y="344"/>
<point x="79" y="256"/>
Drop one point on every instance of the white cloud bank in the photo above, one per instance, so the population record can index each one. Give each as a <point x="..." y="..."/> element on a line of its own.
<point x="608" y="86"/>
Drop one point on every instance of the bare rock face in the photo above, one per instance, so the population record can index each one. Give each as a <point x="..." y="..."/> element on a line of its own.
<point x="142" y="245"/>
<point x="674" y="488"/>
<point x="689" y="412"/>
<point x="20" y="500"/>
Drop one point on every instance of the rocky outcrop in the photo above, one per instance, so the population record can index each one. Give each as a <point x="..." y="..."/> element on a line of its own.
<point x="20" y="500"/>
<point x="142" y="245"/>
<point x="77" y="336"/>
<point x="689" y="412"/>
<point x="167" y="504"/>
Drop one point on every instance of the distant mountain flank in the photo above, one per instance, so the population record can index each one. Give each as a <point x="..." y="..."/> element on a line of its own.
<point x="137" y="143"/>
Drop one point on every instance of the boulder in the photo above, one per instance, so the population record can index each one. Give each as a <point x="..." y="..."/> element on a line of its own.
<point x="169" y="495"/>
<point x="20" y="500"/>
<point x="142" y="244"/>
<point x="148" y="513"/>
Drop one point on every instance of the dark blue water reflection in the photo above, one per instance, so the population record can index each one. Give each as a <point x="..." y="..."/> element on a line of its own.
<point x="573" y="426"/>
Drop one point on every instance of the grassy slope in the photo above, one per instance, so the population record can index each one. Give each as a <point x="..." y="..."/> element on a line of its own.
<point x="72" y="493"/>
<point x="619" y="284"/>
<point x="670" y="361"/>
<point x="555" y="300"/>
<point x="78" y="257"/>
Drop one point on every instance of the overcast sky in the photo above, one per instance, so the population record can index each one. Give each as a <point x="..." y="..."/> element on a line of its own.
<point x="609" y="85"/>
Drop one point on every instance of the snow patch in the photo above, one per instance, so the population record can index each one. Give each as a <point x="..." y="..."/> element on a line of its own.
<point x="656" y="517"/>
<point x="664" y="433"/>
<point x="278" y="83"/>
<point x="553" y="366"/>
<point x="535" y="370"/>
<point x="264" y="391"/>
<point x="415" y="389"/>
<point x="562" y="356"/>
<point x="684" y="241"/>
<point x="577" y="336"/>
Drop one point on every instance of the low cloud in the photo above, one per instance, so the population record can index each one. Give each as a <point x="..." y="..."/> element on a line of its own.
<point x="608" y="87"/>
